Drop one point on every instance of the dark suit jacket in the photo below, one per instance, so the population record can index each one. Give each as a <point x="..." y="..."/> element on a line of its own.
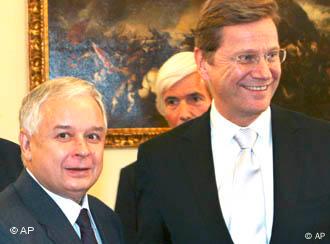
<point x="178" y="194"/>
<point x="10" y="162"/>
<point x="25" y="204"/>
<point x="126" y="203"/>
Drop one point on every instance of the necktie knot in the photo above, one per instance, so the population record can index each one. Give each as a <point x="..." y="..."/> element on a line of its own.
<point x="83" y="219"/>
<point x="87" y="233"/>
<point x="246" y="138"/>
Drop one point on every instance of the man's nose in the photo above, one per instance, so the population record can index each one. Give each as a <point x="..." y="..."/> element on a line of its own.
<point x="185" y="112"/>
<point x="261" y="70"/>
<point x="82" y="148"/>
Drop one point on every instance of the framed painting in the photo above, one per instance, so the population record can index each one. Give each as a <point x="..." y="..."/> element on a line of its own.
<point x="119" y="45"/>
<point x="116" y="45"/>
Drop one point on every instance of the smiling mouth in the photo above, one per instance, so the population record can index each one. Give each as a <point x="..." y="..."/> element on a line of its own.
<point x="256" y="88"/>
<point x="77" y="170"/>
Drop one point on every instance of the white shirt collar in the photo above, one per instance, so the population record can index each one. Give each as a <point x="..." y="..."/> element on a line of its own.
<point x="261" y="125"/>
<point x="218" y="123"/>
<point x="70" y="208"/>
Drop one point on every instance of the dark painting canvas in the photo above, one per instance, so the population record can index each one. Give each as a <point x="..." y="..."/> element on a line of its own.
<point x="118" y="45"/>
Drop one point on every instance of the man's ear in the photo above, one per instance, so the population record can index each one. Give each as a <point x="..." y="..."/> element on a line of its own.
<point x="201" y="63"/>
<point x="25" y="143"/>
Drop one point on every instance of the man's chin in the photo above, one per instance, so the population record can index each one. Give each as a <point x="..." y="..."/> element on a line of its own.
<point x="79" y="185"/>
<point x="257" y="107"/>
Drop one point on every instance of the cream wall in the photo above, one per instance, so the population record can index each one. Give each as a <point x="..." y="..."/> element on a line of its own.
<point x="14" y="85"/>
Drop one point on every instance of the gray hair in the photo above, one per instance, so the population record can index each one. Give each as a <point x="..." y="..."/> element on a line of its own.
<point x="172" y="71"/>
<point x="60" y="88"/>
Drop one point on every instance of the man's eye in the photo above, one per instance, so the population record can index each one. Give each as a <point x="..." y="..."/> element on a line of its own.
<point x="94" y="137"/>
<point x="246" y="58"/>
<point x="195" y="98"/>
<point x="272" y="56"/>
<point x="171" y="101"/>
<point x="63" y="136"/>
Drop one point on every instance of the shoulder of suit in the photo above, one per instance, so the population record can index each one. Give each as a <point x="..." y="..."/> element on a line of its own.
<point x="12" y="208"/>
<point x="8" y="199"/>
<point x="11" y="203"/>
<point x="301" y="120"/>
<point x="100" y="209"/>
<point x="8" y="147"/>
<point x="97" y="204"/>
<point x="10" y="160"/>
<point x="168" y="138"/>
<point x="128" y="168"/>
<point x="14" y="216"/>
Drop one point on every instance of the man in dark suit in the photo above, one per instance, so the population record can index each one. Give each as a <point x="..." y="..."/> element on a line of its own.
<point x="10" y="162"/>
<point x="245" y="172"/>
<point x="180" y="96"/>
<point x="63" y="127"/>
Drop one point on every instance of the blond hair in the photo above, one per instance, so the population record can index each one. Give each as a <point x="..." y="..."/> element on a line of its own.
<point x="216" y="14"/>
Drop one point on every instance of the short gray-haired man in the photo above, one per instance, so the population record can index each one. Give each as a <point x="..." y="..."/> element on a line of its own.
<point x="62" y="133"/>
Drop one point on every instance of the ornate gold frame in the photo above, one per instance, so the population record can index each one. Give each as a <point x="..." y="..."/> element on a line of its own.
<point x="39" y="72"/>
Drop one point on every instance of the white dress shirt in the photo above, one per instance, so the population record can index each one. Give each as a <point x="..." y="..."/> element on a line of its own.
<point x="71" y="209"/>
<point x="225" y="151"/>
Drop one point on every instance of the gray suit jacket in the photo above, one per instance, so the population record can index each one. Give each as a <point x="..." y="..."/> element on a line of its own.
<point x="25" y="205"/>
<point x="178" y="194"/>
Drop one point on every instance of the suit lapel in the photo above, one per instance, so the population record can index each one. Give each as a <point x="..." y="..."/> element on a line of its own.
<point x="106" y="228"/>
<point x="287" y="167"/>
<point x="45" y="210"/>
<point x="196" y="157"/>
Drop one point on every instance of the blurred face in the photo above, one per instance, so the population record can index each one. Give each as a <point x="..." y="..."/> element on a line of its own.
<point x="242" y="88"/>
<point x="65" y="153"/>
<point x="185" y="100"/>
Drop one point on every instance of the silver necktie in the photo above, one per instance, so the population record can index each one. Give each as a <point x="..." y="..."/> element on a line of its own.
<point x="247" y="223"/>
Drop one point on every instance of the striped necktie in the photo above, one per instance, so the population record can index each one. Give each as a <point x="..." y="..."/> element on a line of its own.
<point x="87" y="233"/>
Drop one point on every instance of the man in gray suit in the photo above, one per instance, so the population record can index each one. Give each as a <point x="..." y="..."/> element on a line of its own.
<point x="63" y="126"/>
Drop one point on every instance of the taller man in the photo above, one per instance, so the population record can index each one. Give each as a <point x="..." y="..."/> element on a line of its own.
<point x="247" y="171"/>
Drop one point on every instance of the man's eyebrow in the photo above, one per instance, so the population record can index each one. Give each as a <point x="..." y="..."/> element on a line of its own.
<point x="171" y="97"/>
<point x="252" y="50"/>
<point x="195" y="94"/>
<point x="63" y="127"/>
<point x="66" y="127"/>
<point x="98" y="128"/>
